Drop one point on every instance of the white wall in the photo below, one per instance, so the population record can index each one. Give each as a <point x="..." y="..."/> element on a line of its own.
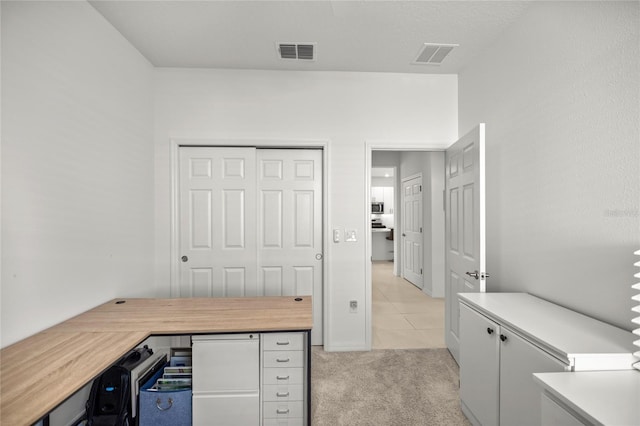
<point x="559" y="94"/>
<point x="345" y="109"/>
<point x="77" y="166"/>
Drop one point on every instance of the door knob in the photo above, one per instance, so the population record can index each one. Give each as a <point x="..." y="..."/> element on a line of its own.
<point x="476" y="275"/>
<point x="473" y="274"/>
<point x="184" y="258"/>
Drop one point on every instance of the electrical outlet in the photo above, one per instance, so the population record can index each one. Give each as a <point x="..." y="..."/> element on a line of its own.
<point x="353" y="306"/>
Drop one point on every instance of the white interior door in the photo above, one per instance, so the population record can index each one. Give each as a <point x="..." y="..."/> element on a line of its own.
<point x="464" y="227"/>
<point x="251" y="224"/>
<point x="217" y="222"/>
<point x="412" y="230"/>
<point x="290" y="227"/>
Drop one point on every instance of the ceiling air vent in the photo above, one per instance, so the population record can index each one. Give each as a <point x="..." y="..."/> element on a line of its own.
<point x="297" y="51"/>
<point x="433" y="54"/>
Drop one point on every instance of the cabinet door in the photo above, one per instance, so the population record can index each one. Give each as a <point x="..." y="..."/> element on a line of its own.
<point x="519" y="395"/>
<point x="377" y="194"/>
<point x="387" y="196"/>
<point x="479" y="366"/>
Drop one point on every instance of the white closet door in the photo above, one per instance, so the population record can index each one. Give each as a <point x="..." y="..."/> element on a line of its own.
<point x="290" y="227"/>
<point x="217" y="222"/>
<point x="251" y="224"/>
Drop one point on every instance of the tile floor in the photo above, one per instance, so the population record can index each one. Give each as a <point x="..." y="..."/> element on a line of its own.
<point x="403" y="316"/>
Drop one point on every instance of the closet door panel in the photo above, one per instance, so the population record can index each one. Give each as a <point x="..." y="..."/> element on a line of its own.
<point x="290" y="226"/>
<point x="217" y="204"/>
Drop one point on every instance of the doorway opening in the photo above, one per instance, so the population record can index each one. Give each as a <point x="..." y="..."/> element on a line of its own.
<point x="407" y="286"/>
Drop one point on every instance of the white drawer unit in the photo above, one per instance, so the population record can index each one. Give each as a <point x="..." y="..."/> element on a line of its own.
<point x="283" y="341"/>
<point x="226" y="379"/>
<point x="284" y="379"/>
<point x="275" y="359"/>
<point x="282" y="393"/>
<point x="282" y="421"/>
<point x="283" y="375"/>
<point x="290" y="409"/>
<point x="507" y="337"/>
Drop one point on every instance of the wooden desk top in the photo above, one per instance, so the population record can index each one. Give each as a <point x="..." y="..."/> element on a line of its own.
<point x="40" y="372"/>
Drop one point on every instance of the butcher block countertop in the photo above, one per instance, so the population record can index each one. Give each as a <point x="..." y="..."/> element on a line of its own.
<point x="42" y="371"/>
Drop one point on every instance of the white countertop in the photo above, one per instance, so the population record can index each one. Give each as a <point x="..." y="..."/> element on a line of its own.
<point x="380" y="229"/>
<point x="560" y="331"/>
<point x="601" y="397"/>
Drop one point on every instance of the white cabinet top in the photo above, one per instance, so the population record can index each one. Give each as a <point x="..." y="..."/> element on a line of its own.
<point x="585" y="343"/>
<point x="601" y="397"/>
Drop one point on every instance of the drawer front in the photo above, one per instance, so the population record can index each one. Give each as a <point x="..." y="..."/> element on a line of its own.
<point x="283" y="376"/>
<point x="276" y="410"/>
<point x="226" y="365"/>
<point x="284" y="421"/>
<point x="283" y="341"/>
<point x="282" y="393"/>
<point x="283" y="358"/>
<point x="228" y="410"/>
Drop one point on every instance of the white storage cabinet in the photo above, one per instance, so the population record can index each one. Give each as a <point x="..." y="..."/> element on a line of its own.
<point x="226" y="379"/>
<point x="497" y="374"/>
<point x="506" y="337"/>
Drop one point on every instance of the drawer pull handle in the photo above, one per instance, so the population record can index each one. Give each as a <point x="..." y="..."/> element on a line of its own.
<point x="282" y="377"/>
<point x="282" y="394"/>
<point x="282" y="343"/>
<point x="281" y="411"/>
<point x="283" y="359"/>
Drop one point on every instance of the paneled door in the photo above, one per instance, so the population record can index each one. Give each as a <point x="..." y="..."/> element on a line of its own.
<point x="251" y="224"/>
<point x="412" y="230"/>
<point x="290" y="226"/>
<point x="464" y="227"/>
<point x="217" y="222"/>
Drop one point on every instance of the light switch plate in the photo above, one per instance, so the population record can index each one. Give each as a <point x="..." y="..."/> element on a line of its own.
<point x="350" y="235"/>
<point x="336" y="235"/>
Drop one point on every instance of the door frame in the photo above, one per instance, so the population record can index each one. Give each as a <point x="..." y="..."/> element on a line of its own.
<point x="324" y="145"/>
<point x="383" y="145"/>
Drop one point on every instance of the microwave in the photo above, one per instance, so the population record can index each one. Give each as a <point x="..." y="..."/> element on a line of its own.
<point x="377" y="208"/>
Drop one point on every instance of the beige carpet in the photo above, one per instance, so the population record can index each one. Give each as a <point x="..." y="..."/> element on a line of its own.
<point x="385" y="387"/>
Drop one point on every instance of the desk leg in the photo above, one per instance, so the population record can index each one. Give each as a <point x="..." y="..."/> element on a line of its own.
<point x="309" y="377"/>
<point x="43" y="422"/>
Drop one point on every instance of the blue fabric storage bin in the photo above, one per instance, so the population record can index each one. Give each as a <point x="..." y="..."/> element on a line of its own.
<point x="164" y="408"/>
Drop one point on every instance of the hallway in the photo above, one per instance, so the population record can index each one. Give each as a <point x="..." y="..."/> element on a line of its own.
<point x="403" y="316"/>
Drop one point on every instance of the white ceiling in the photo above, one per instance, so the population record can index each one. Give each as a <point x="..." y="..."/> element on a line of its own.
<point x="369" y="36"/>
